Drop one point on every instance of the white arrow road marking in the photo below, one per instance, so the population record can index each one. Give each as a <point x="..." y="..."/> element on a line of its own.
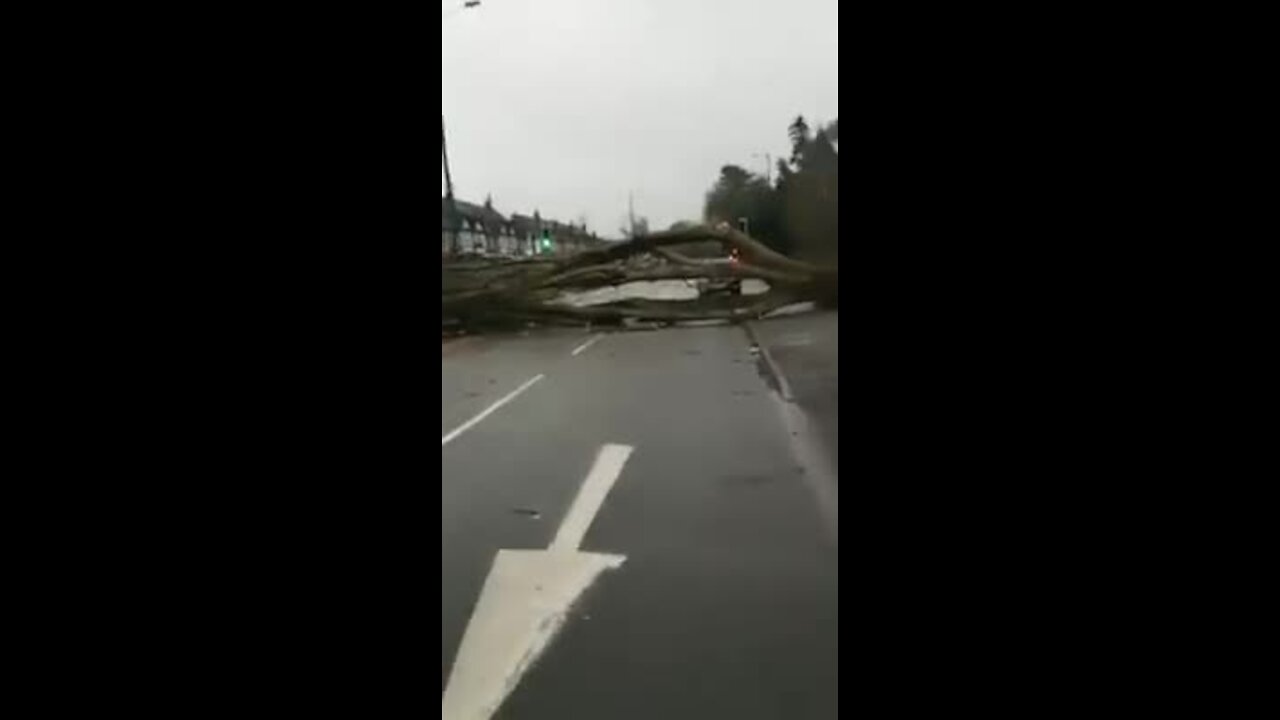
<point x="526" y="600"/>
<point x="603" y="476"/>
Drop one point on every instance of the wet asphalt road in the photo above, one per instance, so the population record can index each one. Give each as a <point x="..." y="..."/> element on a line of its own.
<point x="806" y="349"/>
<point x="728" y="604"/>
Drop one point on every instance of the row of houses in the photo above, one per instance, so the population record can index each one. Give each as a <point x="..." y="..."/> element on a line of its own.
<point x="482" y="230"/>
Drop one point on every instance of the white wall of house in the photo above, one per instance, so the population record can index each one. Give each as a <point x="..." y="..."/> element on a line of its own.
<point x="503" y="240"/>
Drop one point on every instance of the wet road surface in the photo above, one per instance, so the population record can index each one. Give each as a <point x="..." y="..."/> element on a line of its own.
<point x="725" y="598"/>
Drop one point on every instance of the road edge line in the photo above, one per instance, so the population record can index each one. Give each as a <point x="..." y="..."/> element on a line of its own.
<point x="771" y="365"/>
<point x="821" y="479"/>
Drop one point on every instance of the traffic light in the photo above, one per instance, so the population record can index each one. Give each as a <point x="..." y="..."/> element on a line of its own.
<point x="546" y="240"/>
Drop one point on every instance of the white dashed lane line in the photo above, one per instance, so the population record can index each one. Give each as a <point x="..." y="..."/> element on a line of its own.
<point x="587" y="345"/>
<point x="446" y="439"/>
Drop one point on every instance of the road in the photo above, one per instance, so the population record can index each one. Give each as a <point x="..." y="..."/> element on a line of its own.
<point x="805" y="350"/>
<point x="677" y="524"/>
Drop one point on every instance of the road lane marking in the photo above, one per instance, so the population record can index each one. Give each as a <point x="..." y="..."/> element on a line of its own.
<point x="822" y="479"/>
<point x="446" y="439"/>
<point x="604" y="475"/>
<point x="526" y="601"/>
<point x="770" y="363"/>
<point x="587" y="345"/>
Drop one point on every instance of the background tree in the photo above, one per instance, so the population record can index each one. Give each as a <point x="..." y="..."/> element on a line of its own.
<point x="740" y="194"/>
<point x="812" y="201"/>
<point x="800" y="213"/>
<point x="799" y="134"/>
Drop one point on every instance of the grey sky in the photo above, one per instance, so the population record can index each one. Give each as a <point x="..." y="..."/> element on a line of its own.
<point x="566" y="105"/>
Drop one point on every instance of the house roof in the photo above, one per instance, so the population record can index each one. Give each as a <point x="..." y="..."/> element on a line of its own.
<point x="471" y="211"/>
<point x="521" y="224"/>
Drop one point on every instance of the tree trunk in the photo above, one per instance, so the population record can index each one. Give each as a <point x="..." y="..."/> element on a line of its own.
<point x="510" y="293"/>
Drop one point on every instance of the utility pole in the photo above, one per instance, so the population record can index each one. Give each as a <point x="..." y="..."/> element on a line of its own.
<point x="451" y="206"/>
<point x="631" y="214"/>
<point x="451" y="221"/>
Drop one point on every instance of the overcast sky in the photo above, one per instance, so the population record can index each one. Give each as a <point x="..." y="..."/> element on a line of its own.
<point x="565" y="106"/>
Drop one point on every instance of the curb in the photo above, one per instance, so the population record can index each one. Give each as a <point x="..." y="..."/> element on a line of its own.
<point x="770" y="364"/>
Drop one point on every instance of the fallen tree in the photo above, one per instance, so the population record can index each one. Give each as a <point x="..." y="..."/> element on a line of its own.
<point x="480" y="293"/>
